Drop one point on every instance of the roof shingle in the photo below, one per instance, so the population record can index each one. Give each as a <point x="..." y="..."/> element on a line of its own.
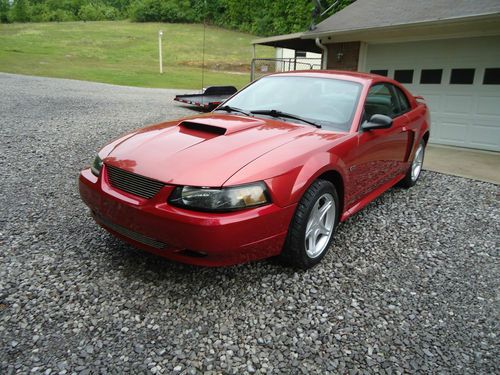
<point x="368" y="14"/>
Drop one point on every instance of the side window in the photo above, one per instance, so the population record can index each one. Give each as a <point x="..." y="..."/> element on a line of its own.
<point x="380" y="101"/>
<point x="404" y="105"/>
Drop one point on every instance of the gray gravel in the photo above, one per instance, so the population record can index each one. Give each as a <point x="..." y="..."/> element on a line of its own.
<point x="410" y="285"/>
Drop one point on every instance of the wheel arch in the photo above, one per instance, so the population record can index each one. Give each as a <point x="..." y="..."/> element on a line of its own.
<point x="426" y="136"/>
<point x="337" y="180"/>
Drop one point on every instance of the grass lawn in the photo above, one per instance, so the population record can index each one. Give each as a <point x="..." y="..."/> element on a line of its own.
<point x="126" y="53"/>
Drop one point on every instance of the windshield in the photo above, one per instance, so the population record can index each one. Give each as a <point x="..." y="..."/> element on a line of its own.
<point x="328" y="102"/>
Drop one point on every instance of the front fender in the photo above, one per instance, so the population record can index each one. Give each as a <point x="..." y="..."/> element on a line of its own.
<point x="288" y="188"/>
<point x="290" y="169"/>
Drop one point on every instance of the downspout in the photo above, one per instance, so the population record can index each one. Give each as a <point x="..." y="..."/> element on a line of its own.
<point x="324" y="57"/>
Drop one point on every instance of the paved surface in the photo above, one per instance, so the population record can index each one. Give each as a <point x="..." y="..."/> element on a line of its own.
<point x="410" y="285"/>
<point x="475" y="164"/>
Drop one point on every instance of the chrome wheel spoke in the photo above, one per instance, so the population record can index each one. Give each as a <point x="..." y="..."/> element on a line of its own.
<point x="309" y="231"/>
<point x="324" y="210"/>
<point x="323" y="229"/>
<point x="310" y="242"/>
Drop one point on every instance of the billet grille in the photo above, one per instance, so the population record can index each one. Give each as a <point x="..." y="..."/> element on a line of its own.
<point x="133" y="183"/>
<point x="131" y="234"/>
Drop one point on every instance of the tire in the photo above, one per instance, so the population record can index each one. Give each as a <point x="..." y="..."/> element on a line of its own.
<point x="415" y="167"/>
<point x="306" y="249"/>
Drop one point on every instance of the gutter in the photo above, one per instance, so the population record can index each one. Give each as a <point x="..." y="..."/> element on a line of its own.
<point x="324" y="56"/>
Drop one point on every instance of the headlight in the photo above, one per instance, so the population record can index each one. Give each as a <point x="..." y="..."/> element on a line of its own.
<point x="225" y="199"/>
<point x="96" y="166"/>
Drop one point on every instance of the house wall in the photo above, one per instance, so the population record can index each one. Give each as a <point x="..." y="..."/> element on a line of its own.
<point x="311" y="61"/>
<point x="349" y="58"/>
<point x="290" y="54"/>
<point x="464" y="114"/>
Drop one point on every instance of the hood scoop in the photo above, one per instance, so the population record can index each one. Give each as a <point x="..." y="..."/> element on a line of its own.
<point x="221" y="125"/>
<point x="205" y="128"/>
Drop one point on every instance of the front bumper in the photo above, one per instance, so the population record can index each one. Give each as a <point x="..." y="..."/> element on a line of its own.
<point x="209" y="239"/>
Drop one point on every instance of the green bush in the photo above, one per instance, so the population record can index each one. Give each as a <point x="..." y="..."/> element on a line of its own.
<point x="97" y="12"/>
<point x="261" y="17"/>
<point x="60" y="15"/>
<point x="162" y="11"/>
<point x="4" y="11"/>
<point x="20" y="11"/>
<point x="145" y="11"/>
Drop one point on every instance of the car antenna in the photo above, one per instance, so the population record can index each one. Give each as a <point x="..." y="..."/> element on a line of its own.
<point x="203" y="49"/>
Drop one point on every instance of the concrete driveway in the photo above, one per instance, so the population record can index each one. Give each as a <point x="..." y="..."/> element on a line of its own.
<point x="455" y="161"/>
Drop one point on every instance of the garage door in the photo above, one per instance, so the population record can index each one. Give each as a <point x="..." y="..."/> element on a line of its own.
<point x="460" y="80"/>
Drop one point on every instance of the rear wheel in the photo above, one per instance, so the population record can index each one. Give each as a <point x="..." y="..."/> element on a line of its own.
<point x="413" y="172"/>
<point x="311" y="230"/>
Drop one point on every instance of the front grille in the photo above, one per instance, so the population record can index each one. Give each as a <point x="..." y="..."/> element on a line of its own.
<point x="133" y="183"/>
<point x="130" y="234"/>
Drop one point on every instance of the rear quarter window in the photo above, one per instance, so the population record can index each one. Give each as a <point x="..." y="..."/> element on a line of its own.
<point x="404" y="104"/>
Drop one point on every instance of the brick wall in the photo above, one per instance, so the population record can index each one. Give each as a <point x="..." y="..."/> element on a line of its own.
<point x="349" y="59"/>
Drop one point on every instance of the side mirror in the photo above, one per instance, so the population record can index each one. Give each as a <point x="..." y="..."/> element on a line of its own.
<point x="377" y="122"/>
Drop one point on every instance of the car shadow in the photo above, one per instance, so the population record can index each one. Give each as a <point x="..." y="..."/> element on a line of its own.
<point x="136" y="263"/>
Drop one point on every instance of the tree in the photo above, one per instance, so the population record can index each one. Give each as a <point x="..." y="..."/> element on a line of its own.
<point x="261" y="17"/>
<point x="4" y="11"/>
<point x="20" y="11"/>
<point x="97" y="12"/>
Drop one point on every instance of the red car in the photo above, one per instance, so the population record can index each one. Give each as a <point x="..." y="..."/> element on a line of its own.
<point x="271" y="172"/>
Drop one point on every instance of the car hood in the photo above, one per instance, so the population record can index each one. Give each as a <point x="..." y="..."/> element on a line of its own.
<point x="203" y="150"/>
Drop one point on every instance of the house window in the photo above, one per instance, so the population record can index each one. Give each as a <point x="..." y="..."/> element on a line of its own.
<point x="404" y="76"/>
<point x="381" y="72"/>
<point x="300" y="53"/>
<point x="462" y="76"/>
<point x="491" y="76"/>
<point x="431" y="76"/>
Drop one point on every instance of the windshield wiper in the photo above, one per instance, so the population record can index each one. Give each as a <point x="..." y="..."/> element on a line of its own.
<point x="275" y="113"/>
<point x="228" y="109"/>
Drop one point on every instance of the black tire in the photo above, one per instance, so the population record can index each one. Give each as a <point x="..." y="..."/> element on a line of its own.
<point x="408" y="181"/>
<point x="294" y="251"/>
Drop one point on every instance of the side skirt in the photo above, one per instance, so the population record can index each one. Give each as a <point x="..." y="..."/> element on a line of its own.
<point x="370" y="197"/>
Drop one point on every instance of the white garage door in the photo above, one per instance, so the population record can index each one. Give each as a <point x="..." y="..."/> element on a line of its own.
<point x="460" y="80"/>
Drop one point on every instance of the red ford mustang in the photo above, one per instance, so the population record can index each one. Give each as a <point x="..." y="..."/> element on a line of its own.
<point x="271" y="172"/>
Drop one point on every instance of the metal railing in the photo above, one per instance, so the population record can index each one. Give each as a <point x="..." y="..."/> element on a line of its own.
<point x="262" y="67"/>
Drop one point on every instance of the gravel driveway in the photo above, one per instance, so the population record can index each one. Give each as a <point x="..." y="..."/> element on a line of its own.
<point x="410" y="285"/>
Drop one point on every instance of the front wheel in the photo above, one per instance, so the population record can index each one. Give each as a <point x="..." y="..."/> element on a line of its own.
<point x="311" y="230"/>
<point x="413" y="172"/>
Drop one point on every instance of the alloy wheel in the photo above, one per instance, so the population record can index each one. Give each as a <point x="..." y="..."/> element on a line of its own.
<point x="418" y="160"/>
<point x="320" y="225"/>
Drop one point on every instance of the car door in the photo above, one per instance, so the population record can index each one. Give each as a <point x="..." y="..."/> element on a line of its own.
<point x="415" y="117"/>
<point x="380" y="154"/>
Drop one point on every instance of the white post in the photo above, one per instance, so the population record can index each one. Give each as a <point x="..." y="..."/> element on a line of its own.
<point x="160" y="34"/>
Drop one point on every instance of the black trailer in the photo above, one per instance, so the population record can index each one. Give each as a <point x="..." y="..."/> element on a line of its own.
<point x="210" y="99"/>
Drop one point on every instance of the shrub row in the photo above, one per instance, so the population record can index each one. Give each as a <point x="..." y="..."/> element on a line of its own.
<point x="260" y="17"/>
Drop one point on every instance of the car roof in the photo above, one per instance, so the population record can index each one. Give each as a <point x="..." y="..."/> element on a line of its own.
<point x="364" y="78"/>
